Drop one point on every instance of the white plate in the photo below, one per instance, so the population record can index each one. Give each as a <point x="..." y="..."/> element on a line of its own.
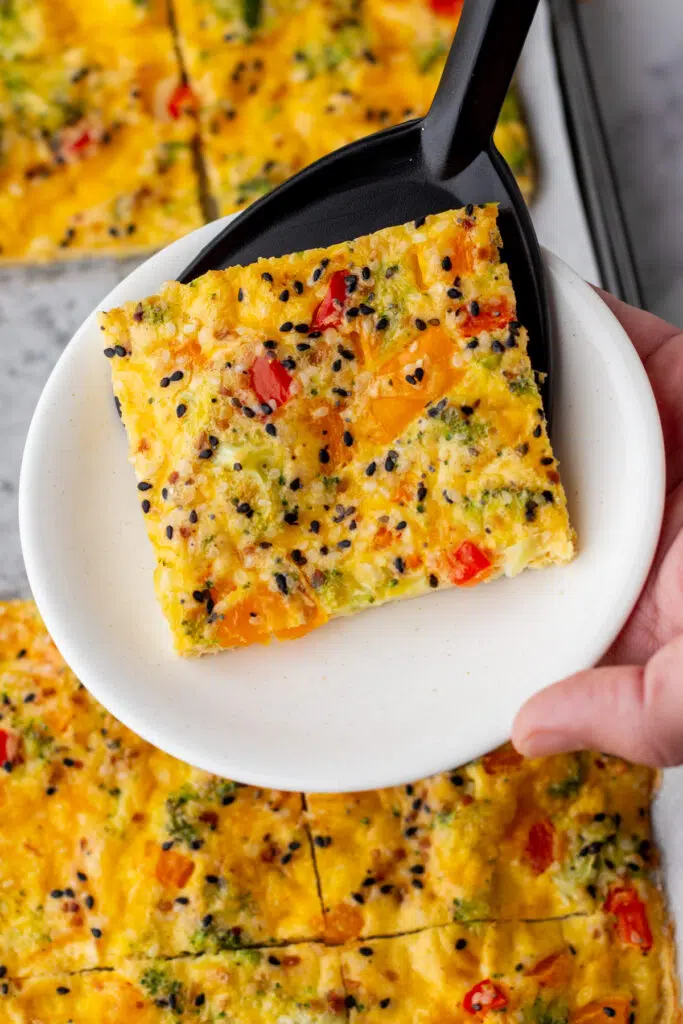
<point x="391" y="694"/>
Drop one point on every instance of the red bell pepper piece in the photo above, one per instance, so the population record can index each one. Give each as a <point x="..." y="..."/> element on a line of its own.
<point x="270" y="381"/>
<point x="483" y="997"/>
<point x="182" y="101"/>
<point x="446" y="7"/>
<point x="540" y="846"/>
<point x="467" y="562"/>
<point x="632" y="924"/>
<point x="9" y="747"/>
<point x="329" y="312"/>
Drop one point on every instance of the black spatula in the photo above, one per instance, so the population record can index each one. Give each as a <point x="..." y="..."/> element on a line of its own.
<point x="442" y="161"/>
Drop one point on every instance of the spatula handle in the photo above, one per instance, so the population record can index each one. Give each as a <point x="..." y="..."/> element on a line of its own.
<point x="477" y="75"/>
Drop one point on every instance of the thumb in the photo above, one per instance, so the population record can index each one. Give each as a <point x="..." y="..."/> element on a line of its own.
<point x="631" y="711"/>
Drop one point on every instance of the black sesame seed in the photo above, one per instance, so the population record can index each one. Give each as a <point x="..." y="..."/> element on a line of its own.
<point x="349" y="1002"/>
<point x="511" y="341"/>
<point x="180" y="410"/>
<point x="244" y="508"/>
<point x="433" y="581"/>
<point x="609" y="1011"/>
<point x="390" y="461"/>
<point x="227" y="800"/>
<point x="497" y="347"/>
<point x="109" y="353"/>
<point x="343" y="545"/>
<point x="199" y="595"/>
<point x="538" y="431"/>
<point x="144" y="486"/>
<point x="240" y="294"/>
<point x="473" y="343"/>
<point x="365" y="309"/>
<point x="207" y="920"/>
<point x="169" y="532"/>
<point x="89" y="902"/>
<point x="402" y="525"/>
<point x="176" y="376"/>
<point x="469" y="209"/>
<point x="298" y="287"/>
<point x="412" y="831"/>
<point x="324" y="456"/>
<point x="69" y="892"/>
<point x="347" y="353"/>
<point x="271" y="429"/>
<point x="267" y="277"/>
<point x="273" y="960"/>
<point x="117" y="403"/>
<point x="420" y="324"/>
<point x="546" y="461"/>
<point x="358" y="897"/>
<point x="365" y="273"/>
<point x="303" y="346"/>
<point x="265" y="408"/>
<point x="337" y="365"/>
<point x="315" y="526"/>
<point x="96" y="932"/>
<point x="454" y="293"/>
<point x="461" y="944"/>
<point x="284" y="297"/>
<point x="368" y="882"/>
<point x="419" y="373"/>
<point x="3" y="971"/>
<point x="385" y="1002"/>
<point x="286" y="326"/>
<point x="417" y="884"/>
<point x="201" y="998"/>
<point x="120" y="350"/>
<point x="370" y="469"/>
<point x="316" y="273"/>
<point x="457" y="780"/>
<point x="81" y="876"/>
<point x="206" y="453"/>
<point x="474" y="307"/>
<point x="62" y="990"/>
<point x="365" y="950"/>
<point x="417" y="869"/>
<point x="57" y="894"/>
<point x="270" y="344"/>
<point x="446" y="263"/>
<point x="248" y="412"/>
<point x="530" y="511"/>
<point x="410" y="379"/>
<point x="281" y="581"/>
<point x="342" y="392"/>
<point x="547" y="497"/>
<point x="51" y="790"/>
<point x="400" y="565"/>
<point x="289" y="363"/>
<point x="145" y="505"/>
<point x="348" y="438"/>
<point x="352" y="312"/>
<point x="298" y="557"/>
<point x="382" y="324"/>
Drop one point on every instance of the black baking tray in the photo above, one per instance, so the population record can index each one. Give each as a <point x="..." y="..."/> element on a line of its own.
<point x="592" y="160"/>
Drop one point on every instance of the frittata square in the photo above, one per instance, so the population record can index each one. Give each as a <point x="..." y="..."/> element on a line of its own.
<point x="302" y="983"/>
<point x="502" y="838"/>
<point x="208" y="865"/>
<point x="110" y="848"/>
<point x="98" y="150"/>
<point x="334" y="429"/>
<point x="529" y="972"/>
<point x="300" y="80"/>
<point x="69" y="774"/>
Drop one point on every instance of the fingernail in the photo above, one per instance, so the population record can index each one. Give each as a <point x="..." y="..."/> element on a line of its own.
<point x="544" y="742"/>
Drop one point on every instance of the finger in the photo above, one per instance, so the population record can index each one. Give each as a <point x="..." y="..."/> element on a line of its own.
<point x="646" y="331"/>
<point x="634" y="712"/>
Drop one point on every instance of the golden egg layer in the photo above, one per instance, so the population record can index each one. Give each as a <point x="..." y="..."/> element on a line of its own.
<point x="123" y="124"/>
<point x="134" y="888"/>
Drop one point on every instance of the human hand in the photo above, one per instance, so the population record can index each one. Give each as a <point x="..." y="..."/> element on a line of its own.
<point x="632" y="705"/>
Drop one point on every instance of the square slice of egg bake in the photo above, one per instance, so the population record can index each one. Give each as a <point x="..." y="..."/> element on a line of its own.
<point x="333" y="429"/>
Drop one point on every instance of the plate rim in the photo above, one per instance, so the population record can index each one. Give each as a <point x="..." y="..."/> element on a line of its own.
<point x="141" y="721"/>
